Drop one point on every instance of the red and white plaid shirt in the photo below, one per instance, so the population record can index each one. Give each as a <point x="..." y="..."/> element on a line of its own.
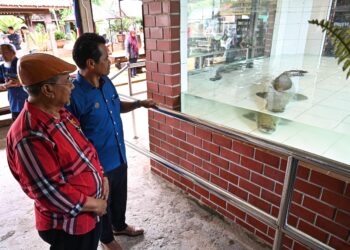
<point x="57" y="167"/>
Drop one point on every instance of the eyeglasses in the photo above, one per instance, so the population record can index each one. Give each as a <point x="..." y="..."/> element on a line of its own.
<point x="69" y="80"/>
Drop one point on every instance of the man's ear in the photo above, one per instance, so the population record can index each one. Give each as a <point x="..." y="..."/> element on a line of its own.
<point x="47" y="90"/>
<point x="90" y="63"/>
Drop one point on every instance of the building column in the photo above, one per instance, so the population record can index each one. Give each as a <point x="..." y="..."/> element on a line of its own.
<point x="83" y="16"/>
<point x="162" y="43"/>
<point x="28" y="21"/>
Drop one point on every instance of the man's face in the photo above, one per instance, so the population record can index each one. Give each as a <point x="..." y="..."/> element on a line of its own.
<point x="63" y="88"/>
<point x="7" y="54"/>
<point x="10" y="31"/>
<point x="104" y="65"/>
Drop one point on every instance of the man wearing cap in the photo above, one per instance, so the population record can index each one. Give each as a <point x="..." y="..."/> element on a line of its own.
<point x="96" y="104"/>
<point x="8" y="76"/>
<point x="53" y="161"/>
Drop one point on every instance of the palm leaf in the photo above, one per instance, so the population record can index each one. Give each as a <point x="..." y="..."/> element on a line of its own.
<point x="341" y="40"/>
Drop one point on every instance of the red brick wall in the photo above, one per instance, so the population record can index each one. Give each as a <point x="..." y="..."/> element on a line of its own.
<point x="321" y="204"/>
<point x="162" y="33"/>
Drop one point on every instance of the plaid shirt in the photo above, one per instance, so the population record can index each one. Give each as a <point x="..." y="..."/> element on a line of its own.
<point x="57" y="167"/>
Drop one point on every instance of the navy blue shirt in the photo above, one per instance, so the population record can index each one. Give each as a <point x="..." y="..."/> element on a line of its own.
<point x="98" y="110"/>
<point x="15" y="39"/>
<point x="16" y="95"/>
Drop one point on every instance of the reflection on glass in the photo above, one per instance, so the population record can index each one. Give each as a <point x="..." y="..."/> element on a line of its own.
<point x="266" y="123"/>
<point x="264" y="56"/>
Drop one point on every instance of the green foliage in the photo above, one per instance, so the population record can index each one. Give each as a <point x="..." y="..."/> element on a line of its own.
<point x="98" y="2"/>
<point x="125" y="23"/>
<point x="341" y="41"/>
<point x="41" y="40"/>
<point x="74" y="35"/>
<point x="63" y="14"/>
<point x="6" y="21"/>
<point x="121" y="25"/>
<point x="59" y="35"/>
<point x="40" y="27"/>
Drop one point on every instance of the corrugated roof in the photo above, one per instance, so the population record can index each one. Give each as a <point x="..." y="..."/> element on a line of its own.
<point x="35" y="3"/>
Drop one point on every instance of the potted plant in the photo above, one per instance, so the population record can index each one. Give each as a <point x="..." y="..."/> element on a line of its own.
<point x="60" y="38"/>
<point x="341" y="41"/>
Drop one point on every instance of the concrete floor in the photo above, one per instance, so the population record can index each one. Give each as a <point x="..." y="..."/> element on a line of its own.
<point x="171" y="220"/>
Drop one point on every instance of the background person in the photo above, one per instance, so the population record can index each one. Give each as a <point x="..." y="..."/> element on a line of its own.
<point x="142" y="38"/>
<point x="230" y="44"/>
<point x="8" y="76"/>
<point x="14" y="38"/>
<point x="53" y="161"/>
<point x="96" y="104"/>
<point x="132" y="49"/>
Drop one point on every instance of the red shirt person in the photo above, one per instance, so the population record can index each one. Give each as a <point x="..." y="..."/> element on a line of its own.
<point x="53" y="161"/>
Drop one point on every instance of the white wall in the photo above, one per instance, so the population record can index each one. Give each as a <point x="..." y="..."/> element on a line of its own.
<point x="183" y="44"/>
<point x="292" y="32"/>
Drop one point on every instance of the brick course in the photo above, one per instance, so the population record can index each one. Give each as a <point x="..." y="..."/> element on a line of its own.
<point x="162" y="41"/>
<point x="319" y="210"/>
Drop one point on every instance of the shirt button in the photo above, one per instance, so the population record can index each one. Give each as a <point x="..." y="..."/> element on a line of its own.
<point x="117" y="133"/>
<point x="106" y="100"/>
<point x="114" y="123"/>
<point x="110" y="112"/>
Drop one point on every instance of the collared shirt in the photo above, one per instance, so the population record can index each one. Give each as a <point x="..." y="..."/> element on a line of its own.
<point x="16" y="95"/>
<point x="98" y="110"/>
<point x="57" y="167"/>
<point x="15" y="39"/>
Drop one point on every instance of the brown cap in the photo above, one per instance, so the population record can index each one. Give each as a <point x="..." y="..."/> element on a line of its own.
<point x="38" y="67"/>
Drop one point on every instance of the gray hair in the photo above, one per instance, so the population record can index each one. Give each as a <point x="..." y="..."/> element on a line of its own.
<point x="35" y="89"/>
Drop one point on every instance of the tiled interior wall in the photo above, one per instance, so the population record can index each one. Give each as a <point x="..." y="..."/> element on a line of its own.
<point x="292" y="33"/>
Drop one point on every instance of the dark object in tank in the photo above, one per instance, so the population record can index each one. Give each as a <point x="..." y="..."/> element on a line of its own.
<point x="296" y="96"/>
<point x="228" y="68"/>
<point x="283" y="81"/>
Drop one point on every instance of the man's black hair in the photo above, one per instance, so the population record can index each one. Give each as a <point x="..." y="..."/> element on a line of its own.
<point x="86" y="47"/>
<point x="9" y="46"/>
<point x="10" y="28"/>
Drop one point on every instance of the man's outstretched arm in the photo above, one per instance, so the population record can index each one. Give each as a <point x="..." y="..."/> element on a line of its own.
<point x="130" y="106"/>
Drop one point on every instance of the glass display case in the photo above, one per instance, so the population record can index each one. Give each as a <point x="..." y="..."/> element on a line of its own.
<point x="259" y="67"/>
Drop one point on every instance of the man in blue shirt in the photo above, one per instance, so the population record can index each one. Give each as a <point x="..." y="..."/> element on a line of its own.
<point x="9" y="80"/>
<point x="14" y="38"/>
<point x="96" y="104"/>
